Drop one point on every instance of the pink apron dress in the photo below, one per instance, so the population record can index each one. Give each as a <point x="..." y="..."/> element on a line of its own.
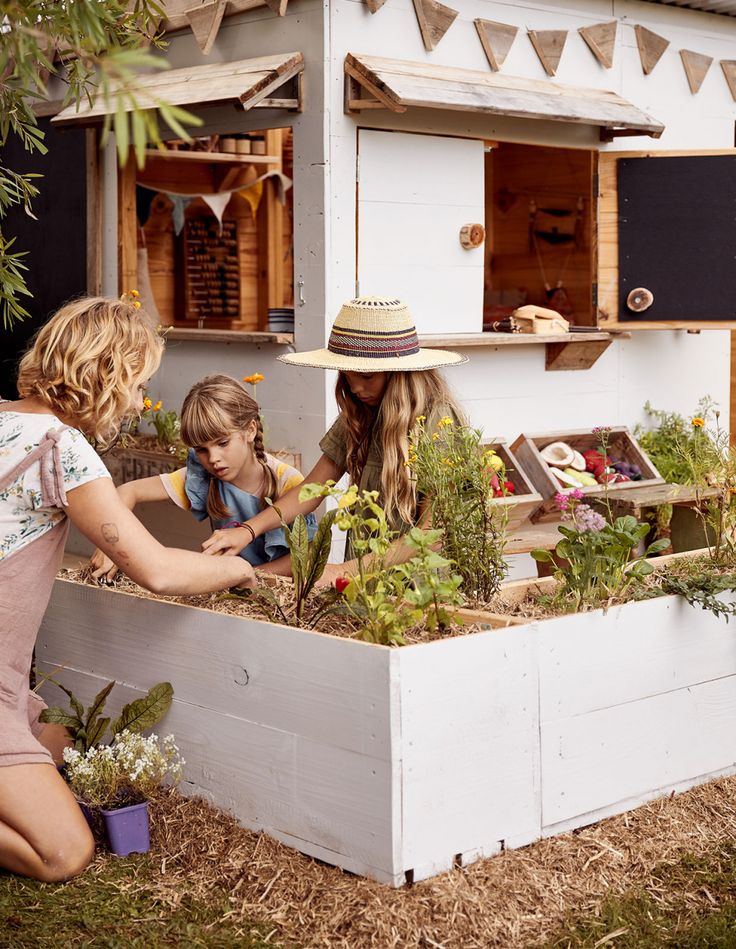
<point x="26" y="580"/>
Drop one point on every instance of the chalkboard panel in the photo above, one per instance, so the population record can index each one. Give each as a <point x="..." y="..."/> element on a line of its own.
<point x="56" y="242"/>
<point x="677" y="237"/>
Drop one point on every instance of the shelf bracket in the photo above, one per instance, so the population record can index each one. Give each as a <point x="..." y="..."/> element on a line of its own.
<point x="577" y="354"/>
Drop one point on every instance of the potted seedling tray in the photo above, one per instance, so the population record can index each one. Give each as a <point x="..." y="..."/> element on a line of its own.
<point x="622" y="446"/>
<point x="525" y="500"/>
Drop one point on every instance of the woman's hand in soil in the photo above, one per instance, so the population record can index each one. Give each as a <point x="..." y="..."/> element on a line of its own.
<point x="102" y="568"/>
<point x="228" y="541"/>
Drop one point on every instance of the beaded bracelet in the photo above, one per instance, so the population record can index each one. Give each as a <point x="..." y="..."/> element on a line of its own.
<point x="249" y="528"/>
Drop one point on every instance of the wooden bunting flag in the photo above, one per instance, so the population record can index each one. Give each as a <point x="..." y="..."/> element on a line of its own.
<point x="651" y="46"/>
<point x="279" y="6"/>
<point x="435" y="19"/>
<point x="205" y="19"/>
<point x="549" y="45"/>
<point x="601" y="38"/>
<point x="374" y="5"/>
<point x="496" y="39"/>
<point x="696" y="68"/>
<point x="729" y="71"/>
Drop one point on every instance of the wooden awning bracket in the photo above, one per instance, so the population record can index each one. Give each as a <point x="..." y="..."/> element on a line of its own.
<point x="608" y="134"/>
<point x="289" y="96"/>
<point x="356" y="84"/>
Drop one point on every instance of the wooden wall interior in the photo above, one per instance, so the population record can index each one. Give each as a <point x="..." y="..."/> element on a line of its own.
<point x="265" y="245"/>
<point x="553" y="178"/>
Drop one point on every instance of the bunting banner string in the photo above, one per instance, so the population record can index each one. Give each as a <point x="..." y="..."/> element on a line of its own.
<point x="217" y="202"/>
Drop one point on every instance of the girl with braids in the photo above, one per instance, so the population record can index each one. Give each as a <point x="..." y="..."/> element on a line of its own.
<point x="228" y="474"/>
<point x="385" y="382"/>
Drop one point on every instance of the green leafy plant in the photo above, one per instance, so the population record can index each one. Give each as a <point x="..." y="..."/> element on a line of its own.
<point x="88" y="727"/>
<point x="665" y="441"/>
<point x="460" y="477"/>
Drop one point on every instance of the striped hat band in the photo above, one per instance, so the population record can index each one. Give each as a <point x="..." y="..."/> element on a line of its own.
<point x="373" y="343"/>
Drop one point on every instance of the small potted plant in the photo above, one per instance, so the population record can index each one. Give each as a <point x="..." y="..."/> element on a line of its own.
<point x="118" y="781"/>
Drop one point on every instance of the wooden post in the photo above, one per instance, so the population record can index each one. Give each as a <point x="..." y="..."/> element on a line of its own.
<point x="94" y="213"/>
<point x="127" y="227"/>
<point x="270" y="237"/>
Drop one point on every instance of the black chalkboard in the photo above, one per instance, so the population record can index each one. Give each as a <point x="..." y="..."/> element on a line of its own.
<point x="677" y="237"/>
<point x="56" y="242"/>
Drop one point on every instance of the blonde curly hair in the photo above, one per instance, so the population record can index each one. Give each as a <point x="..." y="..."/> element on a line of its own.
<point x="86" y="362"/>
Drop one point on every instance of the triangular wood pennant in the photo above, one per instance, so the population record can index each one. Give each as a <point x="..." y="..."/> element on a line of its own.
<point x="374" y="5"/>
<point x="549" y="45"/>
<point x="696" y="68"/>
<point x="729" y="71"/>
<point x="651" y="46"/>
<point x="205" y="19"/>
<point x="435" y="19"/>
<point x="601" y="38"/>
<point x="277" y="6"/>
<point x="496" y="39"/>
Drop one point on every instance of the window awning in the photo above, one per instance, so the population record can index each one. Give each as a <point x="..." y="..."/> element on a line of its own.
<point x="247" y="82"/>
<point x="397" y="84"/>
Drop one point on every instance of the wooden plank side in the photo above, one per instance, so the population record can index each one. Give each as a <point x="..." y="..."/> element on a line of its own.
<point x="326" y="799"/>
<point x="316" y="686"/>
<point x="469" y="745"/>
<point x="623" y="753"/>
<point x="594" y="661"/>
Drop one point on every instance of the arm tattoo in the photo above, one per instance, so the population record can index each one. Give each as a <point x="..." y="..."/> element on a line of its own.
<point x="110" y="533"/>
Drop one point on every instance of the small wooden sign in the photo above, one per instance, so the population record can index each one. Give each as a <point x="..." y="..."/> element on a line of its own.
<point x="601" y="38"/>
<point x="374" y="5"/>
<point x="205" y="19"/>
<point x="549" y="45"/>
<point x="435" y="19"/>
<point x="729" y="71"/>
<point x="496" y="39"/>
<point x="277" y="6"/>
<point x="651" y="46"/>
<point x="696" y="68"/>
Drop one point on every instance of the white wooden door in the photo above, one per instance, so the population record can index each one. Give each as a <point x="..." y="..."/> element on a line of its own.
<point x="415" y="192"/>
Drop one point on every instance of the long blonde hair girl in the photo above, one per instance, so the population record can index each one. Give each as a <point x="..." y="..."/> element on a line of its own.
<point x="86" y="362"/>
<point x="217" y="406"/>
<point x="407" y="395"/>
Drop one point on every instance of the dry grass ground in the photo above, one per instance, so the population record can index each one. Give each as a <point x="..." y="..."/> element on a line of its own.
<point x="660" y="876"/>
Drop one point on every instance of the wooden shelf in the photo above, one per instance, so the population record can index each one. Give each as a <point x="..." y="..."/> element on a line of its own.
<point x="171" y="154"/>
<point x="568" y="351"/>
<point x="193" y="335"/>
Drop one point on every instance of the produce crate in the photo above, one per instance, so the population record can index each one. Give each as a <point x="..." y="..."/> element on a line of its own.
<point x="526" y="500"/>
<point x="622" y="446"/>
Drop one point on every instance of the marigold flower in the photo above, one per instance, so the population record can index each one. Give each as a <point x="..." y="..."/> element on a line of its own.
<point x="697" y="422"/>
<point x="157" y="406"/>
<point x="147" y="403"/>
<point x="254" y="378"/>
<point x="134" y="293"/>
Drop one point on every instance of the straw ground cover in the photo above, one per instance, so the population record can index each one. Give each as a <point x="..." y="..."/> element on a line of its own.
<point x="661" y="876"/>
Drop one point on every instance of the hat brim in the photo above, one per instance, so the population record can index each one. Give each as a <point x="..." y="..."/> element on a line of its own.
<point x="416" y="362"/>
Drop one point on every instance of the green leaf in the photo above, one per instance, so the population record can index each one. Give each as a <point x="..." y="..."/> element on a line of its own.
<point x="98" y="703"/>
<point x="145" y="712"/>
<point x="74" y="702"/>
<point x="97" y="732"/>
<point x="58" y="716"/>
<point x="319" y="551"/>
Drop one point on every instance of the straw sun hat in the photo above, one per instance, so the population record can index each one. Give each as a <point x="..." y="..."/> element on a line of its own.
<point x="374" y="334"/>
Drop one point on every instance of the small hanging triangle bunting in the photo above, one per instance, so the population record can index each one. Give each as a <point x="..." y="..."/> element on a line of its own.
<point x="651" y="46"/>
<point x="696" y="68"/>
<point x="601" y="38"/>
<point x="549" y="45"/>
<point x="205" y="19"/>
<point x="729" y="71"/>
<point x="277" y="6"/>
<point x="435" y="19"/>
<point x="374" y="5"/>
<point x="496" y="39"/>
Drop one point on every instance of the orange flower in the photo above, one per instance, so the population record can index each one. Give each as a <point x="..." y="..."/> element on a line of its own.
<point x="157" y="406"/>
<point x="697" y="422"/>
<point x="253" y="379"/>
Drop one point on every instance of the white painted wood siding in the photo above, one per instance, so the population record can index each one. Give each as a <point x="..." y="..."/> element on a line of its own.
<point x="410" y="211"/>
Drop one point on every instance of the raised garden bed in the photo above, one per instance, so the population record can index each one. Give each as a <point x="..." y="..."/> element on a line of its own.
<point x="400" y="763"/>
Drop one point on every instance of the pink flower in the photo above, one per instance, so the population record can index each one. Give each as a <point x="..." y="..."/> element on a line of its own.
<point x="602" y="430"/>
<point x="577" y="494"/>
<point x="562" y="501"/>
<point x="586" y="519"/>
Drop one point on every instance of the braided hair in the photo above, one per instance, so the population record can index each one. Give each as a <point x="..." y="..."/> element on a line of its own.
<point x="217" y="406"/>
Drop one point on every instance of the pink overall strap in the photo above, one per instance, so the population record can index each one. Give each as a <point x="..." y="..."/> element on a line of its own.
<point x="53" y="492"/>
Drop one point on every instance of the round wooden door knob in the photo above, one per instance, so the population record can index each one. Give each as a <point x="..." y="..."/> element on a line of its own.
<point x="640" y="299"/>
<point x="472" y="235"/>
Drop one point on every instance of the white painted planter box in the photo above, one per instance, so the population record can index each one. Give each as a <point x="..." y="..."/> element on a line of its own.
<point x="397" y="763"/>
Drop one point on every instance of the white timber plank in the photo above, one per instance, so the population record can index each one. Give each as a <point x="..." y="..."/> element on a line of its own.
<point x="469" y="745"/>
<point x="623" y="753"/>
<point x="320" y="687"/>
<point x="595" y="660"/>
<point x="332" y="799"/>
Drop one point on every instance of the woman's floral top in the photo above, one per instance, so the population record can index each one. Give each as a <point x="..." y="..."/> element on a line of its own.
<point x="22" y="517"/>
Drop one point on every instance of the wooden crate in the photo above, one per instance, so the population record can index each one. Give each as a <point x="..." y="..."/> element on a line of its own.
<point x="622" y="446"/>
<point x="526" y="500"/>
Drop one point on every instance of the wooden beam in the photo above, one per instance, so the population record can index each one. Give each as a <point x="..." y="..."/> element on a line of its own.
<point x="94" y="213"/>
<point x="354" y="71"/>
<point x="651" y="46"/>
<point x="549" y="45"/>
<point x="601" y="38"/>
<point x="205" y="19"/>
<point x="496" y="39"/>
<point x="127" y="227"/>
<point x="696" y="67"/>
<point x="435" y="19"/>
<point x="270" y="223"/>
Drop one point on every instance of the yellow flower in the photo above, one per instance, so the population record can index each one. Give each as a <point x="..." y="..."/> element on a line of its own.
<point x="157" y="406"/>
<point x="254" y="378"/>
<point x="147" y="403"/>
<point x="444" y="422"/>
<point x="435" y="437"/>
<point x="136" y="304"/>
<point x="134" y="293"/>
<point x="494" y="462"/>
<point x="698" y="422"/>
<point x="421" y="418"/>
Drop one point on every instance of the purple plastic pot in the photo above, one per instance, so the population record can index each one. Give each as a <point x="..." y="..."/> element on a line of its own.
<point x="127" y="829"/>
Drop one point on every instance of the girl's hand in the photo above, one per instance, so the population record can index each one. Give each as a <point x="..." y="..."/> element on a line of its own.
<point x="228" y="541"/>
<point x="102" y="568"/>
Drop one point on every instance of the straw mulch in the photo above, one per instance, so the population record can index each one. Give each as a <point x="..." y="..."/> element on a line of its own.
<point x="517" y="899"/>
